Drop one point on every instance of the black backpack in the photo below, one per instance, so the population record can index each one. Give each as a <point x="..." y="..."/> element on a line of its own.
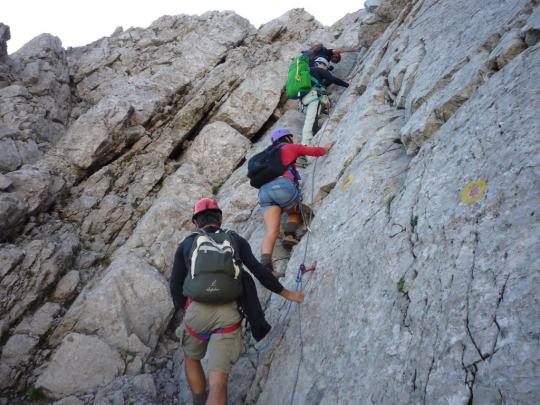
<point x="215" y="268"/>
<point x="265" y="166"/>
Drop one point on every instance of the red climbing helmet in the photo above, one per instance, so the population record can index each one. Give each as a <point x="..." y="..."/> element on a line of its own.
<point x="204" y="205"/>
<point x="279" y="133"/>
<point x="336" y="57"/>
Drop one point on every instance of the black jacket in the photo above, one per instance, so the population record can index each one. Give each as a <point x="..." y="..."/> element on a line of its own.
<point x="249" y="302"/>
<point x="326" y="78"/>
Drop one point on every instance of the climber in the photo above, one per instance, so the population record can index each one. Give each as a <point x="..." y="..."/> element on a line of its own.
<point x="283" y="194"/>
<point x="321" y="78"/>
<point x="207" y="275"/>
<point x="333" y="55"/>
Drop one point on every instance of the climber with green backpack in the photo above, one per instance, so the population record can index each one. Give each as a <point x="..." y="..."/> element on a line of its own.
<point x="208" y="280"/>
<point x="299" y="80"/>
<point x="314" y="99"/>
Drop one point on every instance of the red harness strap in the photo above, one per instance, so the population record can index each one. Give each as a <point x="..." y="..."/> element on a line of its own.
<point x="206" y="336"/>
<point x="188" y="303"/>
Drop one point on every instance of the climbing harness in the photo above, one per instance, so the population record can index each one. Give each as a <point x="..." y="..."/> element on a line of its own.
<point x="205" y="337"/>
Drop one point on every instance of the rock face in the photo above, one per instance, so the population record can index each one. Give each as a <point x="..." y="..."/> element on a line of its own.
<point x="35" y="101"/>
<point x="425" y="223"/>
<point x="419" y="293"/>
<point x="65" y="376"/>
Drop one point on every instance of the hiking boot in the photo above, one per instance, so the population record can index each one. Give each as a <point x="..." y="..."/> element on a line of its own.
<point x="301" y="232"/>
<point x="288" y="241"/>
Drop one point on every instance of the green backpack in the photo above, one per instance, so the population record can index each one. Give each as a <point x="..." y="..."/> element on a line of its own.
<point x="299" y="80"/>
<point x="215" y="269"/>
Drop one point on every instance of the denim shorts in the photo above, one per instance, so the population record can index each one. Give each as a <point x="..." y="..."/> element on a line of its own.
<point x="280" y="192"/>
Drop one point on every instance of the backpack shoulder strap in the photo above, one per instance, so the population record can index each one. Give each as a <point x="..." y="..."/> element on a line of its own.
<point x="316" y="82"/>
<point x="199" y="236"/>
<point x="187" y="259"/>
<point x="232" y="237"/>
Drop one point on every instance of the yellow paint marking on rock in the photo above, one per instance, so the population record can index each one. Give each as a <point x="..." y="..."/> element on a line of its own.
<point x="347" y="182"/>
<point x="474" y="191"/>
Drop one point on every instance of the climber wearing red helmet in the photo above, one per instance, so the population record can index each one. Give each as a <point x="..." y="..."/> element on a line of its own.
<point x="205" y="204"/>
<point x="207" y="275"/>
<point x="332" y="55"/>
<point x="336" y="57"/>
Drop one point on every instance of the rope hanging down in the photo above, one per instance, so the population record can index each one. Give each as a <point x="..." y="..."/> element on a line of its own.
<point x="299" y="273"/>
<point x="298" y="280"/>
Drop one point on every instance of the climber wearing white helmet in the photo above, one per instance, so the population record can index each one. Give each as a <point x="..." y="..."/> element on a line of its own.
<point x="321" y="78"/>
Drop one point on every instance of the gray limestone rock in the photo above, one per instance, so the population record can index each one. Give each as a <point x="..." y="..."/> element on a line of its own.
<point x="33" y="189"/>
<point x="36" y="104"/>
<point x="40" y="322"/>
<point x="18" y="349"/>
<point x="137" y="389"/>
<point x="13" y="211"/>
<point x="17" y="353"/>
<point x="433" y="113"/>
<point x="253" y="102"/>
<point x="128" y="308"/>
<point x="5" y="35"/>
<point x="4" y="326"/>
<point x="71" y="400"/>
<point x="10" y="257"/>
<point x="5" y="182"/>
<point x="80" y="363"/>
<point x="34" y="269"/>
<point x="531" y="31"/>
<point x="425" y="210"/>
<point x="508" y="48"/>
<point x="101" y="134"/>
<point x="376" y="17"/>
<point x="87" y="259"/>
<point x="15" y="147"/>
<point x="66" y="287"/>
<point x="422" y="288"/>
<point x="216" y="152"/>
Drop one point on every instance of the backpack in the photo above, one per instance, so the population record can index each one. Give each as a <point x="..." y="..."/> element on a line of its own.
<point x="265" y="166"/>
<point x="299" y="80"/>
<point x="215" y="268"/>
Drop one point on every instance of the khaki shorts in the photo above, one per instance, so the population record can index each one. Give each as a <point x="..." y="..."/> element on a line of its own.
<point x="223" y="348"/>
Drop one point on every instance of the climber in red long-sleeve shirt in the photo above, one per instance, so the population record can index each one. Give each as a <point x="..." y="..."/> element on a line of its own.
<point x="283" y="193"/>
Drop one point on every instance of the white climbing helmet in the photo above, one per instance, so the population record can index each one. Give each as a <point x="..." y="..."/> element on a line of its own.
<point x="320" y="59"/>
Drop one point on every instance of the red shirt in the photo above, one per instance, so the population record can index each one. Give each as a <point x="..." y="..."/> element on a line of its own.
<point x="291" y="151"/>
